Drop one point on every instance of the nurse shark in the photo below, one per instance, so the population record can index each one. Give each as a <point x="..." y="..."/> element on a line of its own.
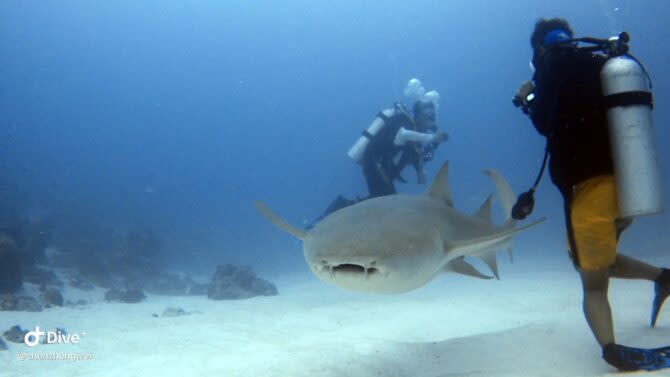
<point x="398" y="243"/>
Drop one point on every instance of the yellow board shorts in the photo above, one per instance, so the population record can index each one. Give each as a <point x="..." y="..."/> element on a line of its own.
<point x="594" y="211"/>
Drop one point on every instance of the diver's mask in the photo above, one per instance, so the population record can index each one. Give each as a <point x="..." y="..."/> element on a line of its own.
<point x="553" y="39"/>
<point x="556" y="37"/>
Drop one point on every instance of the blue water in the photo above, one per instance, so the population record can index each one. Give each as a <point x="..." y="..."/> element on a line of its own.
<point x="176" y="116"/>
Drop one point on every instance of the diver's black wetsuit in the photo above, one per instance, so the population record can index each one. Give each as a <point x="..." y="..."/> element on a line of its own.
<point x="379" y="166"/>
<point x="569" y="110"/>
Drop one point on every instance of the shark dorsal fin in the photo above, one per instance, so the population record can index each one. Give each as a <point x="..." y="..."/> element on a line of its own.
<point x="484" y="212"/>
<point x="279" y="222"/>
<point x="440" y="188"/>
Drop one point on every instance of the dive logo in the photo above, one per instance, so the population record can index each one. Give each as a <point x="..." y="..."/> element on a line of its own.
<point x="35" y="337"/>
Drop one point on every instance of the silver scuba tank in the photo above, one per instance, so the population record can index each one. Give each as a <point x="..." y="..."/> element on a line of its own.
<point x="357" y="150"/>
<point x="627" y="90"/>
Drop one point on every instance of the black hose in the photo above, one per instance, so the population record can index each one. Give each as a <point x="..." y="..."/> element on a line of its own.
<point x="544" y="165"/>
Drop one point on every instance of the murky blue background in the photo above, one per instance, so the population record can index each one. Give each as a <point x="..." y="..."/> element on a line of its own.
<point x="176" y="116"/>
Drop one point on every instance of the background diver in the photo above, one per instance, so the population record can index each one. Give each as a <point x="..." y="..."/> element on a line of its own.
<point x="578" y="99"/>
<point x="394" y="140"/>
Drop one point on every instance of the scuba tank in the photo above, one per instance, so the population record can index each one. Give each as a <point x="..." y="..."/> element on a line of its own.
<point x="357" y="150"/>
<point x="627" y="92"/>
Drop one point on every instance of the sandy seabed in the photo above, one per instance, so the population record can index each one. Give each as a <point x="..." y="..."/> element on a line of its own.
<point x="527" y="324"/>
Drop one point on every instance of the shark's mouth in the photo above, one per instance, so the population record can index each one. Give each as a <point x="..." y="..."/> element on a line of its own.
<point x="349" y="269"/>
<point x="355" y="269"/>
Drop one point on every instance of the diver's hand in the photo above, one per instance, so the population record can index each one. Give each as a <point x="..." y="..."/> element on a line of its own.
<point x="525" y="89"/>
<point x="440" y="137"/>
<point x="524" y="96"/>
<point x="521" y="96"/>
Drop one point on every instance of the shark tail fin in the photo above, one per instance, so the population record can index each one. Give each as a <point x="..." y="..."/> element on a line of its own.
<point x="507" y="198"/>
<point x="278" y="221"/>
<point x="506" y="195"/>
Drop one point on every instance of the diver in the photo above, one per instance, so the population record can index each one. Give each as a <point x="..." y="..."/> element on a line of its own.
<point x="397" y="144"/>
<point x="577" y="100"/>
<point x="394" y="140"/>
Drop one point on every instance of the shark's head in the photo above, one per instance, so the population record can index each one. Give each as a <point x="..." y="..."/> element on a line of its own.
<point x="380" y="254"/>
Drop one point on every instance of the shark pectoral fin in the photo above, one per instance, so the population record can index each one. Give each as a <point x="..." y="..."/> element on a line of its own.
<point x="472" y="246"/>
<point x="484" y="212"/>
<point x="490" y="260"/>
<point x="511" y="255"/>
<point x="440" y="188"/>
<point x="278" y="221"/>
<point x="460" y="266"/>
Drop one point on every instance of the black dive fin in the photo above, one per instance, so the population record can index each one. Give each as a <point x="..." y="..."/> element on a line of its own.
<point x="630" y="359"/>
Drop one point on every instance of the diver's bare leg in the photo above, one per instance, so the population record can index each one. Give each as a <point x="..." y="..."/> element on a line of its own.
<point x="596" y="305"/>
<point x="630" y="268"/>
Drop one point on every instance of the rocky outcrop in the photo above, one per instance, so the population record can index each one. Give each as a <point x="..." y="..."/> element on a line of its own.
<point x="19" y="303"/>
<point x="231" y="282"/>
<point x="15" y="334"/>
